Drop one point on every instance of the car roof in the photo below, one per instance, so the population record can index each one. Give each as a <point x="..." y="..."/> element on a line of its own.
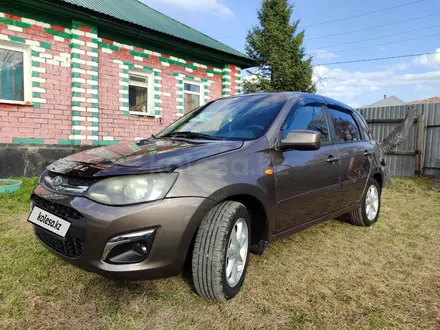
<point x="326" y="99"/>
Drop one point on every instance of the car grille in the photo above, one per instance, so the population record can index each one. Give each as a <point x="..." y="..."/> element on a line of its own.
<point x="60" y="210"/>
<point x="75" y="181"/>
<point x="70" y="247"/>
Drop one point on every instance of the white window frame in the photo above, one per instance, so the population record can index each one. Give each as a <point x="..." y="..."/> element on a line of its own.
<point x="150" y="87"/>
<point x="27" y="70"/>
<point x="201" y="94"/>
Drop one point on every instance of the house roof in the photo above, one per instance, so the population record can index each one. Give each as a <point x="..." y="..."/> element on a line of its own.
<point x="136" y="12"/>
<point x="386" y="102"/>
<point x="430" y="100"/>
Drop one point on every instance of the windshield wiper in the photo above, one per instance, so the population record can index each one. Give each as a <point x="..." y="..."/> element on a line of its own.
<point x="193" y="135"/>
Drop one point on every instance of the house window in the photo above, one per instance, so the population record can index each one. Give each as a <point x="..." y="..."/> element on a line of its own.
<point x="192" y="96"/>
<point x="14" y="73"/>
<point x="140" y="93"/>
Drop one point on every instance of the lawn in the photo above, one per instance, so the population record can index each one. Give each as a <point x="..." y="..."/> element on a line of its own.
<point x="332" y="276"/>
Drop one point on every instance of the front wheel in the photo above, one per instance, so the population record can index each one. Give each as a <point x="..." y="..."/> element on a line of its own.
<point x="221" y="251"/>
<point x="368" y="213"/>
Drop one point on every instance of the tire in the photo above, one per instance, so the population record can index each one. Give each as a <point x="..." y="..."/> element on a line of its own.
<point x="211" y="250"/>
<point x="359" y="216"/>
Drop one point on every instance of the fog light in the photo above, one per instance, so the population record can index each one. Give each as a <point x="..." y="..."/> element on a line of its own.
<point x="129" y="248"/>
<point x="140" y="248"/>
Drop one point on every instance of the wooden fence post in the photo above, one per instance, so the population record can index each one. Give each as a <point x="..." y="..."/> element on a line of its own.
<point x="420" y="145"/>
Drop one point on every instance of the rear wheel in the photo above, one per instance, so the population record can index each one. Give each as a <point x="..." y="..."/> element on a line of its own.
<point x="221" y="251"/>
<point x="368" y="213"/>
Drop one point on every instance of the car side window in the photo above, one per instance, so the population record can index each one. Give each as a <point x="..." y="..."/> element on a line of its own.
<point x="363" y="126"/>
<point x="309" y="117"/>
<point x="346" y="129"/>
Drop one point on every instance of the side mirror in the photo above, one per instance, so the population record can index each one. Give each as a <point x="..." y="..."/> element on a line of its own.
<point x="301" y="140"/>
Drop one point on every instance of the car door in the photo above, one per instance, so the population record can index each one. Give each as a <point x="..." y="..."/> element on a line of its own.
<point x="305" y="180"/>
<point x="355" y="152"/>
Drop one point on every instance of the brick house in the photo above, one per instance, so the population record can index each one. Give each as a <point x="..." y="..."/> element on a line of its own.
<point x="89" y="72"/>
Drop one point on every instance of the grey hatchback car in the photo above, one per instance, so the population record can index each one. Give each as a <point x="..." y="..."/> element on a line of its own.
<point x="223" y="181"/>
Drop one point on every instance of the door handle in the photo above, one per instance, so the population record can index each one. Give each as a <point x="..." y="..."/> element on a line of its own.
<point x="332" y="159"/>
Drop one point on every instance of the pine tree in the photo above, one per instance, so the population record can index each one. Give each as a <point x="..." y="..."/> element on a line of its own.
<point x="279" y="51"/>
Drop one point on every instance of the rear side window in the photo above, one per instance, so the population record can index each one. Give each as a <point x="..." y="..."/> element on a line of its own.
<point x="346" y="129"/>
<point x="363" y="126"/>
<point x="310" y="118"/>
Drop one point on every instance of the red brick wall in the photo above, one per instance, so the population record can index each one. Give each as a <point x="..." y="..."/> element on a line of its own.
<point x="57" y="117"/>
<point x="51" y="119"/>
<point x="112" y="120"/>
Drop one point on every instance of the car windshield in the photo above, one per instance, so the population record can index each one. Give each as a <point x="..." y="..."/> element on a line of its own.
<point x="240" y="118"/>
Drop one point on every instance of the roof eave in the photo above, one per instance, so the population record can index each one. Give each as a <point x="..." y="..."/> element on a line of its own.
<point x="106" y="23"/>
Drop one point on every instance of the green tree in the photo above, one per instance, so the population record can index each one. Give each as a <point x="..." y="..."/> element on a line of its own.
<point x="278" y="49"/>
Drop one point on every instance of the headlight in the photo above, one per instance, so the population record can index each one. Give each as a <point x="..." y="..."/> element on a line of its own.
<point x="124" y="190"/>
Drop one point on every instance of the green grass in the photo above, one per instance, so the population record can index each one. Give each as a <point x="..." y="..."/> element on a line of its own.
<point x="18" y="201"/>
<point x="331" y="276"/>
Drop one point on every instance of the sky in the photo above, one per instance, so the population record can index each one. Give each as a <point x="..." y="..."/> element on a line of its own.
<point x="412" y="27"/>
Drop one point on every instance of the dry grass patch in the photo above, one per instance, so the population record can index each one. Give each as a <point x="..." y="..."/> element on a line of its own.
<point x="332" y="276"/>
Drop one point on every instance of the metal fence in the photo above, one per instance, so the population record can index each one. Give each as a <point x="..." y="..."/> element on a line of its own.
<point x="420" y="151"/>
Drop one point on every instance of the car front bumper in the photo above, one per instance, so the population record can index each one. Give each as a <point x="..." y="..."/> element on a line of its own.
<point x="175" y="221"/>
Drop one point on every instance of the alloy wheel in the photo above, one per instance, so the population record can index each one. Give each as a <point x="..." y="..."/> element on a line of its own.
<point x="236" y="256"/>
<point x="372" y="202"/>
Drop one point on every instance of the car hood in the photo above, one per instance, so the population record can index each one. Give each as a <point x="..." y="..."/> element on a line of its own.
<point x="145" y="156"/>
